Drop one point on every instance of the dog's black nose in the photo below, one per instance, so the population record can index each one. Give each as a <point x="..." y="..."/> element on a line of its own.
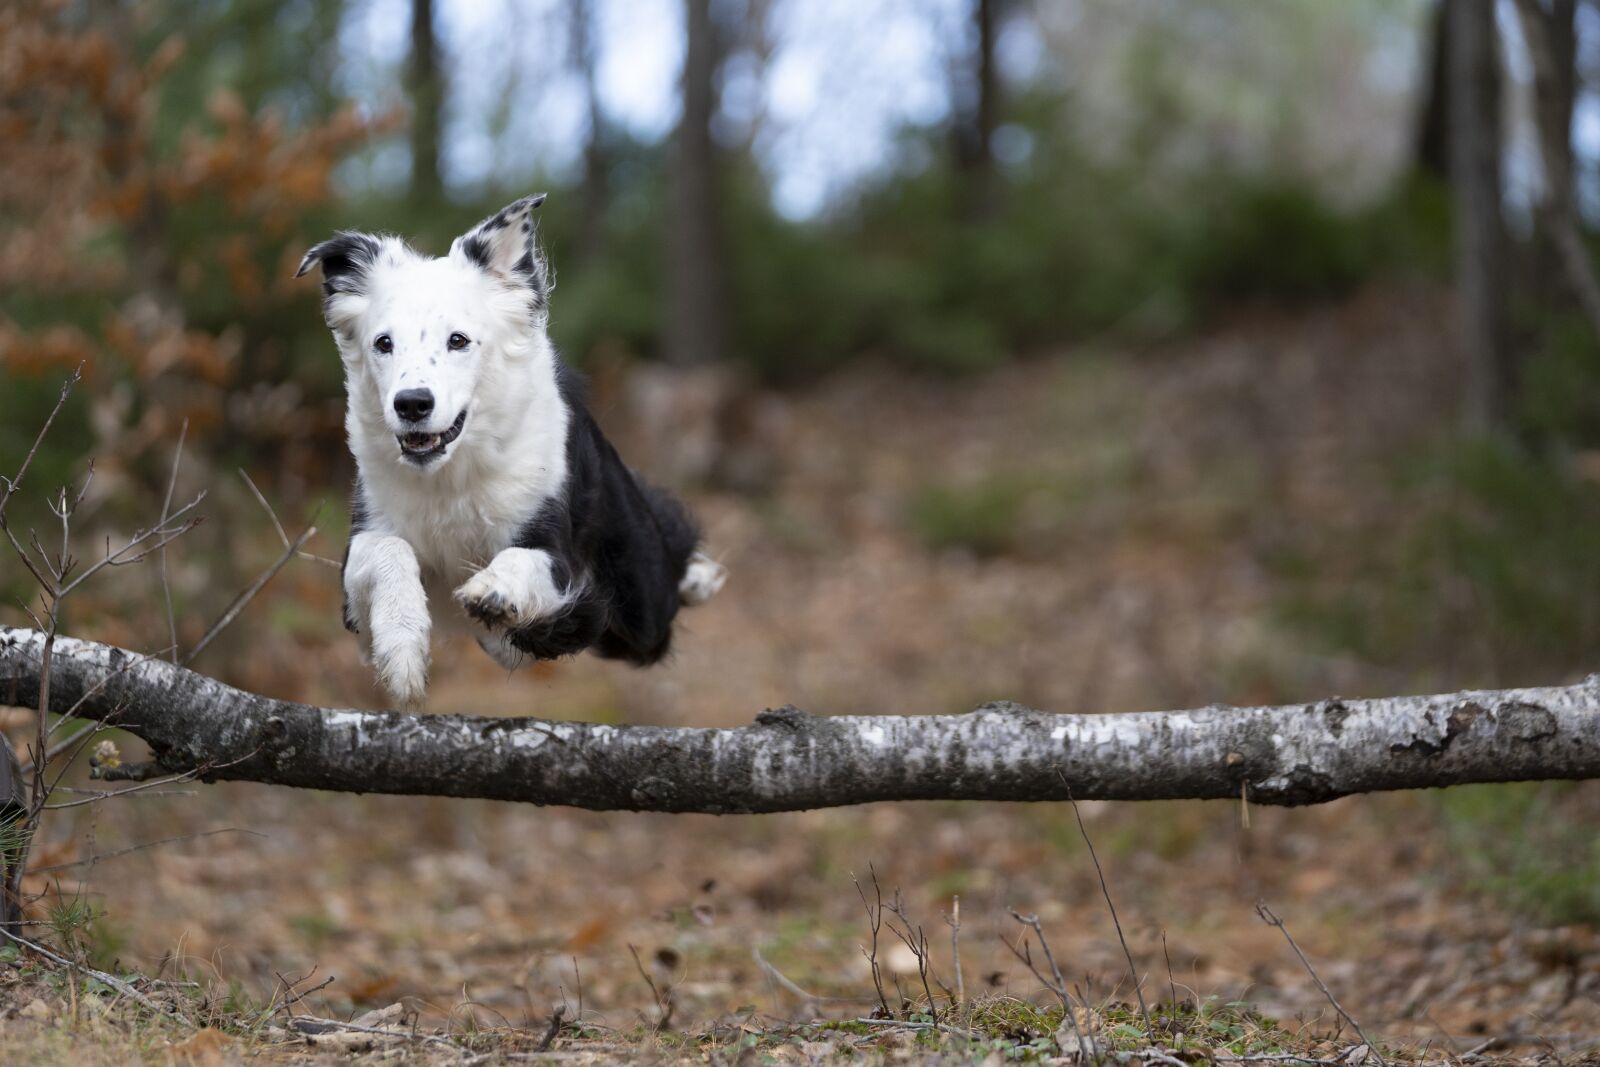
<point x="413" y="405"/>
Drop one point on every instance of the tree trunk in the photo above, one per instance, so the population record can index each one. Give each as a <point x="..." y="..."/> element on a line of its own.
<point x="978" y="116"/>
<point x="1431" y="154"/>
<point x="695" y="323"/>
<point x="1552" y="46"/>
<point x="1480" y="236"/>
<point x="788" y="760"/>
<point x="426" y="87"/>
<point x="596" y="194"/>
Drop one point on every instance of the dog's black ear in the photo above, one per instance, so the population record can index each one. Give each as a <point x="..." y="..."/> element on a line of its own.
<point x="345" y="258"/>
<point x="507" y="243"/>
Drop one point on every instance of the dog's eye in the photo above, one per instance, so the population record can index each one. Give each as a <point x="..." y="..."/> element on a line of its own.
<point x="384" y="343"/>
<point x="458" y="341"/>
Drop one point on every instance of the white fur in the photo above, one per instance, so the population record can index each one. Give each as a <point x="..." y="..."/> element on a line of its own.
<point x="517" y="587"/>
<point x="465" y="508"/>
<point x="701" y="580"/>
<point x="383" y="581"/>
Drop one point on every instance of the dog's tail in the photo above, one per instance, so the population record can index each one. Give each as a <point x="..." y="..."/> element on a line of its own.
<point x="701" y="579"/>
<point x="702" y="575"/>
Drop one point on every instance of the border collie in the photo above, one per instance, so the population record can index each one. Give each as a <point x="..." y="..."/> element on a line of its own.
<point x="480" y="469"/>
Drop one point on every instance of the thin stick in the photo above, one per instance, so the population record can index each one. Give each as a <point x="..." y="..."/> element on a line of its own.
<point x="1059" y="986"/>
<point x="555" y="1028"/>
<point x="249" y="594"/>
<point x="94" y="798"/>
<point x="291" y="998"/>
<point x="918" y="944"/>
<point x="1172" y="986"/>
<point x="1272" y="920"/>
<point x="121" y="557"/>
<point x="100" y="976"/>
<point x="1133" y="971"/>
<point x="954" y="919"/>
<point x="874" y="923"/>
<point x="142" y="846"/>
<point x="161" y="560"/>
<point x="15" y="481"/>
<point x="278" y="526"/>
<point x="917" y="1024"/>
<point x="804" y="994"/>
<point x="663" y="1001"/>
<point x="299" y="1026"/>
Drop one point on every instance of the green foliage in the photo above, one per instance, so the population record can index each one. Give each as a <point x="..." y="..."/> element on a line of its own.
<point x="1485" y="557"/>
<point x="1532" y="845"/>
<point x="83" y="931"/>
<point x="1559" y="400"/>
<point x="915" y="269"/>
<point x="984" y="518"/>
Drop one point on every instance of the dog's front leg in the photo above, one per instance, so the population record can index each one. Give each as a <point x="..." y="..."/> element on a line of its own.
<point x="519" y="586"/>
<point x="383" y="589"/>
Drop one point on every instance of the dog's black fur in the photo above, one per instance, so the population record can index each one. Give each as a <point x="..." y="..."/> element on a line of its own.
<point x="622" y="545"/>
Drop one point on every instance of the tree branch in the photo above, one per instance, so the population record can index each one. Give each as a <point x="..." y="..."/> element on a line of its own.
<point x="788" y="760"/>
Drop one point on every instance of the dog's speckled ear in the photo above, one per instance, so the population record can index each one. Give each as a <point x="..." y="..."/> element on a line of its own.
<point x="345" y="259"/>
<point x="507" y="243"/>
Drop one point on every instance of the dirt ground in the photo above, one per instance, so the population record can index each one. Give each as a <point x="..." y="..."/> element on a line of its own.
<point x="1154" y="486"/>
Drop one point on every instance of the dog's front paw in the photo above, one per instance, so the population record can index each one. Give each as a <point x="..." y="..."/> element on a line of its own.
<point x="485" y="600"/>
<point x="402" y="669"/>
<point x="516" y="588"/>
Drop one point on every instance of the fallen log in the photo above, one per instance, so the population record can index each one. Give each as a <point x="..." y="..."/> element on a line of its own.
<point x="788" y="760"/>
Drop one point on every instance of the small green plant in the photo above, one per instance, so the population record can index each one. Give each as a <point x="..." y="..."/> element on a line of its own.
<point x="1531" y="845"/>
<point x="1484" y="559"/>
<point x="1002" y="514"/>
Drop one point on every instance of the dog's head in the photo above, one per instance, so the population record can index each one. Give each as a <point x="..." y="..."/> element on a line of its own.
<point x="426" y="340"/>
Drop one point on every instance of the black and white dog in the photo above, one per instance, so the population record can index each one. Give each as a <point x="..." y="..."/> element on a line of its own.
<point x="480" y="469"/>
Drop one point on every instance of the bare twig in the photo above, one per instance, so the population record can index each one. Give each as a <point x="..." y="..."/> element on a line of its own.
<point x="1172" y="986"/>
<point x="249" y="594"/>
<point x="13" y="483"/>
<point x="137" y="549"/>
<point x="100" y="976"/>
<point x="1272" y="920"/>
<point x="290" y="997"/>
<point x="787" y="983"/>
<point x="311" y="1026"/>
<point x="1133" y="971"/>
<point x="663" y="999"/>
<point x="1055" y="983"/>
<point x="916" y="940"/>
<point x="874" y="923"/>
<point x="104" y="856"/>
<point x="954" y="922"/>
<point x="94" y="798"/>
<point x="555" y="1028"/>
<point x="917" y="1024"/>
<point x="166" y="508"/>
<point x="278" y="526"/>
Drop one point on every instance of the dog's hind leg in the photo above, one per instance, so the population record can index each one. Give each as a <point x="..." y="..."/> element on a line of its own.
<point x="500" y="649"/>
<point x="701" y="580"/>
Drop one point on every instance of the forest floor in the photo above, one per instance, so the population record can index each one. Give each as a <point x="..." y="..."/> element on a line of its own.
<point x="1091" y="531"/>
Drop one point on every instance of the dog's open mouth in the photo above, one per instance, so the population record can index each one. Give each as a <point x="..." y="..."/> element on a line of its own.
<point x="424" y="445"/>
